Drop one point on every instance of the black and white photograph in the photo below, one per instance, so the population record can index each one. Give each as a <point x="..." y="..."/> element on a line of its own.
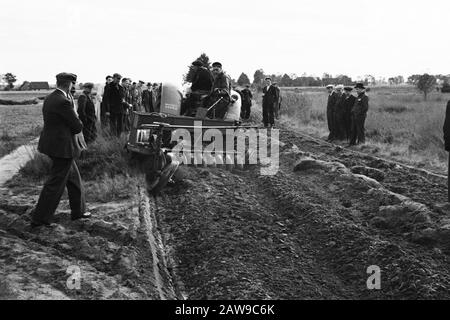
<point x="224" y="156"/>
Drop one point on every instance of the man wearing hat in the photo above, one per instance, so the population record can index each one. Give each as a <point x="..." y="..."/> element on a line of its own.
<point x="102" y="93"/>
<point x="331" y="102"/>
<point x="136" y="94"/>
<point x="338" y="113"/>
<point x="114" y="96"/>
<point x="147" y="98"/>
<point x="359" y="113"/>
<point x="56" y="141"/>
<point x="221" y="90"/>
<point x="269" y="103"/>
<point x="347" y="104"/>
<point x="202" y="83"/>
<point x="221" y="80"/>
<point x="279" y="99"/>
<point x="203" y="79"/>
<point x="127" y="103"/>
<point x="246" y="102"/>
<point x="156" y="97"/>
<point x="86" y="112"/>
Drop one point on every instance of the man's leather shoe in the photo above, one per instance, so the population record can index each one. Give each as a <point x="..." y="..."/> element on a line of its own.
<point x="85" y="215"/>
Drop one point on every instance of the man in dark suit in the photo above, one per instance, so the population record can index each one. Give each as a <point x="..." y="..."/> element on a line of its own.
<point x="246" y="102"/>
<point x="155" y="97"/>
<point x="347" y="103"/>
<point x="279" y="99"/>
<point x="338" y="114"/>
<point x="331" y="102"/>
<point x="270" y="101"/>
<point x="60" y="125"/>
<point x="86" y="113"/>
<point x="147" y="98"/>
<point x="447" y="143"/>
<point x="359" y="114"/>
<point x="203" y="79"/>
<point x="114" y="96"/>
<point x="103" y="104"/>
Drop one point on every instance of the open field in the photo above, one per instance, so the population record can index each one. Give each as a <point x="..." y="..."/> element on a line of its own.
<point x="19" y="125"/>
<point x="399" y="125"/>
<point x="23" y="95"/>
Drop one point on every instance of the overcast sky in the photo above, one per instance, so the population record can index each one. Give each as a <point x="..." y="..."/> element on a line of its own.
<point x="157" y="40"/>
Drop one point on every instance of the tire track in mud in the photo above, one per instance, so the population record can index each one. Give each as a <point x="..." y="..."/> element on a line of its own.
<point x="149" y="225"/>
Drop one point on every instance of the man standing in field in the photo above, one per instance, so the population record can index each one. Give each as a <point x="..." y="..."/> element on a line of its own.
<point x="147" y="98"/>
<point x="127" y="103"/>
<point x="114" y="96"/>
<point x="278" y="103"/>
<point x="348" y="102"/>
<point x="86" y="113"/>
<point x="359" y="113"/>
<point x="57" y="141"/>
<point x="136" y="95"/>
<point x="447" y="144"/>
<point x="338" y="113"/>
<point x="102" y="93"/>
<point x="246" y="102"/>
<point x="330" y="112"/>
<point x="270" y="101"/>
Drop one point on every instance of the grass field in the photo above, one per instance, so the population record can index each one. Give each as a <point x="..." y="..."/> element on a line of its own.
<point x="23" y="95"/>
<point x="399" y="125"/>
<point x="19" y="124"/>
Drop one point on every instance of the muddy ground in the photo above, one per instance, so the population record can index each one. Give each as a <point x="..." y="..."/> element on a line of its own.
<point x="308" y="232"/>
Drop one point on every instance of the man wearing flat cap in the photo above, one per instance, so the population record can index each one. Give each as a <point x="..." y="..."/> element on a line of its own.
<point x="269" y="103"/>
<point x="202" y="83"/>
<point x="57" y="141"/>
<point x="338" y="113"/>
<point x="347" y="104"/>
<point x="102" y="93"/>
<point x="114" y="96"/>
<point x="147" y="98"/>
<point x="86" y="112"/>
<point x="136" y="96"/>
<point x="222" y="81"/>
<point x="203" y="79"/>
<point x="221" y="91"/>
<point x="359" y="113"/>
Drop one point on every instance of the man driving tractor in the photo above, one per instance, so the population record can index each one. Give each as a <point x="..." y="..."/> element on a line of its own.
<point x="209" y="90"/>
<point x="201" y="87"/>
<point x="221" y="90"/>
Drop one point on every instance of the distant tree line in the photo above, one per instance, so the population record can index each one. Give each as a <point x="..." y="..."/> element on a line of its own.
<point x="292" y="80"/>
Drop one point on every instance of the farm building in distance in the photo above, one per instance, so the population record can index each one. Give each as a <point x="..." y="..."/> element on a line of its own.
<point x="34" y="85"/>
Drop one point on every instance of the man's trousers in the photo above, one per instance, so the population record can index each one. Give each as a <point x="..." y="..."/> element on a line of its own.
<point x="116" y="122"/>
<point x="268" y="113"/>
<point x="358" y="133"/>
<point x="63" y="174"/>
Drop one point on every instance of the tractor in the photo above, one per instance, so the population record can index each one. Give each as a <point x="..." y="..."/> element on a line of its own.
<point x="155" y="137"/>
